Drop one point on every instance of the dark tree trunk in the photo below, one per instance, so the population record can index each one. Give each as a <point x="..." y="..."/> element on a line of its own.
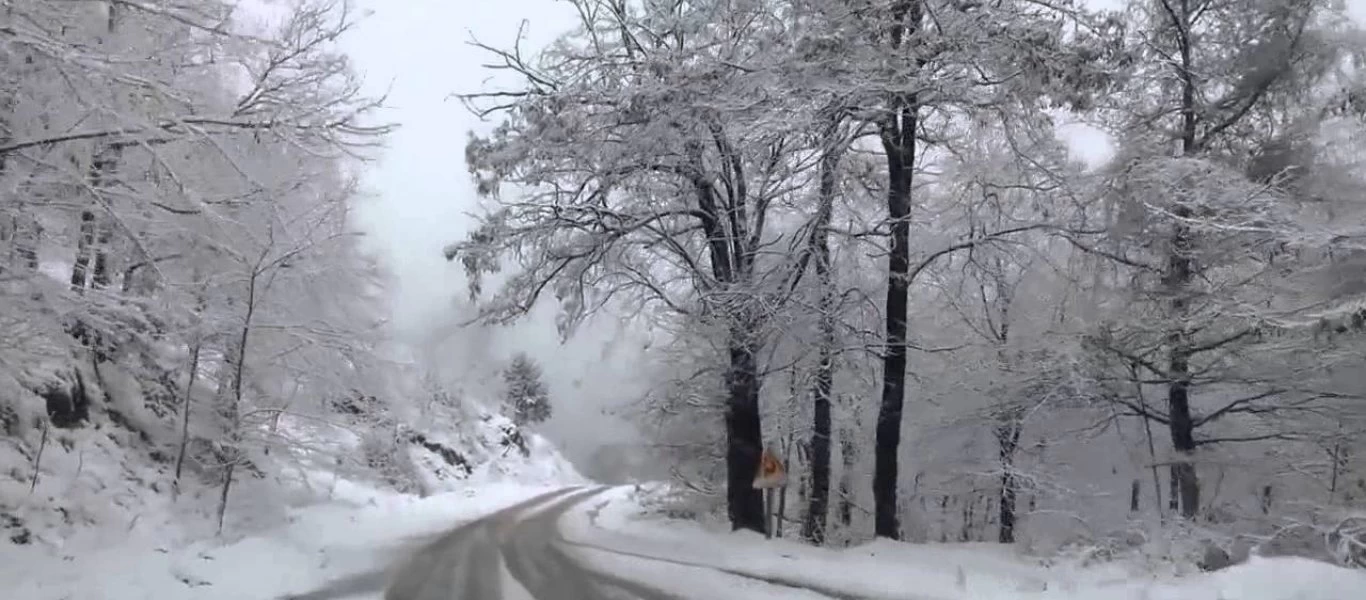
<point x="1173" y="501"/>
<point x="1182" y="428"/>
<point x="898" y="138"/>
<point x="898" y="130"/>
<point x="1008" y="440"/>
<point x="819" y="508"/>
<point x="744" y="438"/>
<point x="814" y="527"/>
<point x="732" y="258"/>
<point x="99" y="278"/>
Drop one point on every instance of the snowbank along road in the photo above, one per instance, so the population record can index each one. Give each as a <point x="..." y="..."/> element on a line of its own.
<point x="542" y="549"/>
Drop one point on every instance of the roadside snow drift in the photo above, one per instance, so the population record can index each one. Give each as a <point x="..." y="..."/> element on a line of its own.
<point x="361" y="530"/>
<point x="614" y="534"/>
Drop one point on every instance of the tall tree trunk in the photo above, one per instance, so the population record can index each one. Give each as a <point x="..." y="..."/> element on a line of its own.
<point x="90" y="248"/>
<point x="1182" y="428"/>
<point x="744" y="437"/>
<point x="731" y="259"/>
<point x="898" y="132"/>
<point x="1180" y="271"/>
<point x="899" y="141"/>
<point x="813" y="529"/>
<point x="233" y="448"/>
<point x="229" y="413"/>
<point x="102" y="164"/>
<point x="196" y="347"/>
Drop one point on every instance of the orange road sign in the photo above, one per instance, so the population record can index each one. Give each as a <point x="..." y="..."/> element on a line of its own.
<point x="771" y="473"/>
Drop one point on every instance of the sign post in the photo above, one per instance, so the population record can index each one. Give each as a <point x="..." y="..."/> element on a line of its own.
<point x="770" y="477"/>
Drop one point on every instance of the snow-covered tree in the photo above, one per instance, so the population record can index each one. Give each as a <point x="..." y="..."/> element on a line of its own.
<point x="1211" y="216"/>
<point x="654" y="184"/>
<point x="525" y="397"/>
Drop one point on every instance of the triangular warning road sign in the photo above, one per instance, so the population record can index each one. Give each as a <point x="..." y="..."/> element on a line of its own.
<point x="771" y="473"/>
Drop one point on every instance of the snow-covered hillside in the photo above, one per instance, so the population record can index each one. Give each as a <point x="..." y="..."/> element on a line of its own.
<point x="97" y="502"/>
<point x="358" y="529"/>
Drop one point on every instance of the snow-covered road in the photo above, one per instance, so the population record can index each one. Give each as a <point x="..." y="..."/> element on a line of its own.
<point x="465" y="562"/>
<point x="520" y="553"/>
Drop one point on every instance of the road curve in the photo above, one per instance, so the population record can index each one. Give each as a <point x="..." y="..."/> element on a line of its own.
<point x="469" y="562"/>
<point x="512" y="554"/>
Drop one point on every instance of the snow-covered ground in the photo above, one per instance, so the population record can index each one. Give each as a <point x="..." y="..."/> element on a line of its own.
<point x="891" y="570"/>
<point x="360" y="530"/>
<point x="101" y="522"/>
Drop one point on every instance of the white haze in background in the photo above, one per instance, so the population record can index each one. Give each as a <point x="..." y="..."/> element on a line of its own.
<point x="417" y="52"/>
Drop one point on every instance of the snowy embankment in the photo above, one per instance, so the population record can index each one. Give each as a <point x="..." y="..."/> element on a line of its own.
<point x="102" y="519"/>
<point x="360" y="530"/>
<point x="614" y="533"/>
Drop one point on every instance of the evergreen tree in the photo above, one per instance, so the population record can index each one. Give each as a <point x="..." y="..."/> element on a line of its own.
<point x="524" y="396"/>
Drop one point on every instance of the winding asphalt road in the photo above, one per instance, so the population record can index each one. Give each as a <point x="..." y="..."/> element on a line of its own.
<point x="514" y="553"/>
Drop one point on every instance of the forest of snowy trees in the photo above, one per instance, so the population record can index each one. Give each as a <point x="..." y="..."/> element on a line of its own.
<point x="871" y="246"/>
<point x="859" y="227"/>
